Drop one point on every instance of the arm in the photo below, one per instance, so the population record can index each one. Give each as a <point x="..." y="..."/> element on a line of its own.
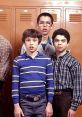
<point x="15" y="89"/>
<point x="18" y="111"/>
<point x="77" y="89"/>
<point x="50" y="89"/>
<point x="49" y="110"/>
<point x="5" y="59"/>
<point x="15" y="82"/>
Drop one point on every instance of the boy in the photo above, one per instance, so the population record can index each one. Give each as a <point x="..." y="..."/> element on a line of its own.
<point x="67" y="77"/>
<point x="32" y="79"/>
<point x="44" y="25"/>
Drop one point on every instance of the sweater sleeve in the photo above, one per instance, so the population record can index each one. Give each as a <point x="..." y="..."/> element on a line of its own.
<point x="50" y="82"/>
<point x="15" y="82"/>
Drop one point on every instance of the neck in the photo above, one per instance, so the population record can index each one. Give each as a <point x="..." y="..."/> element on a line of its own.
<point x="60" y="53"/>
<point x="33" y="55"/>
<point x="45" y="37"/>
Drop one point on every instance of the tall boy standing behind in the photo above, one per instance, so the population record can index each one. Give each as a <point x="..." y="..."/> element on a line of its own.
<point x="44" y="25"/>
<point x="32" y="79"/>
<point x="67" y="77"/>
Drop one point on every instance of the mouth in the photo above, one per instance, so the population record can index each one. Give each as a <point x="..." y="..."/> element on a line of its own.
<point x="44" y="30"/>
<point x="31" y="47"/>
<point x="59" y="47"/>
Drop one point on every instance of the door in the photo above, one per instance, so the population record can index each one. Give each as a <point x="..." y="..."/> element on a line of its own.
<point x="25" y="18"/>
<point x="73" y="23"/>
<point x="5" y="22"/>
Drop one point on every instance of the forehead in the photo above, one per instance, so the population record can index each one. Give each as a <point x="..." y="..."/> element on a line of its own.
<point x="45" y="18"/>
<point x="31" y="38"/>
<point x="60" y="37"/>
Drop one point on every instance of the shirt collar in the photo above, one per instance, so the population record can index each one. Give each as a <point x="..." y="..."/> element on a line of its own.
<point x="63" y="56"/>
<point x="25" y="55"/>
<point x="49" y="41"/>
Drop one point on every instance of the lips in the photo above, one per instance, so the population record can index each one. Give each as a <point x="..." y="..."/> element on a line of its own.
<point x="44" y="30"/>
<point x="59" y="47"/>
<point x="31" y="47"/>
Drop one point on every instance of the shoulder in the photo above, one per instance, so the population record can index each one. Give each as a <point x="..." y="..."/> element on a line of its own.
<point x="50" y="40"/>
<point x="45" y="59"/>
<point x="44" y="56"/>
<point x="4" y="41"/>
<point x="73" y="61"/>
<point x="19" y="58"/>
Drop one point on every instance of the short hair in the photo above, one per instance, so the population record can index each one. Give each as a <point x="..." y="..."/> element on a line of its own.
<point x="63" y="32"/>
<point x="31" y="33"/>
<point x="45" y="14"/>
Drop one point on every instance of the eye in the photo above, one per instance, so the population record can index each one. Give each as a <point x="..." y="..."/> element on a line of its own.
<point x="47" y="23"/>
<point x="34" y="39"/>
<point x="56" y="40"/>
<point x="27" y="39"/>
<point x="63" y="40"/>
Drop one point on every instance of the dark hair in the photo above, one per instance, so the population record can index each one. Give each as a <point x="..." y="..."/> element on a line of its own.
<point x="31" y="33"/>
<point x="45" y="14"/>
<point x="63" y="32"/>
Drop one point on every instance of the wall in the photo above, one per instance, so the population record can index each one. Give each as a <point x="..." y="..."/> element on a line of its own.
<point x="17" y="15"/>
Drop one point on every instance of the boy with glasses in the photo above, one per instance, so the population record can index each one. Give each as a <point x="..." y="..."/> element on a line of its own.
<point x="44" y="25"/>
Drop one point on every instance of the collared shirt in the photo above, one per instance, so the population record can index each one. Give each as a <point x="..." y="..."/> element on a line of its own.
<point x="68" y="74"/>
<point x="32" y="76"/>
<point x="46" y="48"/>
<point x="5" y="53"/>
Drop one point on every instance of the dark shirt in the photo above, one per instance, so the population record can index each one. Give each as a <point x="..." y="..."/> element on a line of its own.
<point x="67" y="74"/>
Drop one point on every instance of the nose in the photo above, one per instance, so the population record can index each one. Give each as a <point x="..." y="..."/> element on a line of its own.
<point x="45" y="24"/>
<point x="59" y="42"/>
<point x="31" y="42"/>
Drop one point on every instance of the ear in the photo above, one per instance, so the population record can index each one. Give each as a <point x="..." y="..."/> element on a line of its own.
<point x="36" y="26"/>
<point x="51" y="26"/>
<point x="67" y="45"/>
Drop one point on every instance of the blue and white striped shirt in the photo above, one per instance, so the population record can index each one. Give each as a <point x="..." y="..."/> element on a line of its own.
<point x="32" y="76"/>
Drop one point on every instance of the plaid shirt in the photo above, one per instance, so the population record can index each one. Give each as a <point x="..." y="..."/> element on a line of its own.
<point x="5" y="52"/>
<point x="67" y="74"/>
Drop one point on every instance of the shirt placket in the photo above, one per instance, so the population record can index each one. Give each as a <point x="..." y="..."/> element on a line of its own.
<point x="57" y="72"/>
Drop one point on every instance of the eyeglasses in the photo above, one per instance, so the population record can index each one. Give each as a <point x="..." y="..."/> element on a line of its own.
<point x="47" y="23"/>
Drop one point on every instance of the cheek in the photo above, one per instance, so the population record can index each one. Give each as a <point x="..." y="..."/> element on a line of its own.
<point x="55" y="44"/>
<point x="27" y="45"/>
<point x="40" y="28"/>
<point x="37" y="44"/>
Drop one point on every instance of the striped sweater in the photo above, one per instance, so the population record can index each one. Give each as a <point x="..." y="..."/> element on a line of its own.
<point x="32" y="76"/>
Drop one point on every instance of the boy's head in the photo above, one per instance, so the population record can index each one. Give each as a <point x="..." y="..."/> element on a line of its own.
<point x="44" y="23"/>
<point x="31" y="33"/>
<point x="62" y="32"/>
<point x="45" y="14"/>
<point x="61" y="38"/>
<point x="31" y="38"/>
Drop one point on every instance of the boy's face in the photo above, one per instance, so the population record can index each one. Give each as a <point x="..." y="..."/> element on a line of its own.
<point x="31" y="44"/>
<point x="44" y="25"/>
<point x="60" y="43"/>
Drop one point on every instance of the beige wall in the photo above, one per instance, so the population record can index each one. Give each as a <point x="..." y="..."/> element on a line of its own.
<point x="17" y="15"/>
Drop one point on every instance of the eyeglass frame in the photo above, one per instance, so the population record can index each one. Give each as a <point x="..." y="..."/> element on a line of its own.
<point x="48" y="23"/>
